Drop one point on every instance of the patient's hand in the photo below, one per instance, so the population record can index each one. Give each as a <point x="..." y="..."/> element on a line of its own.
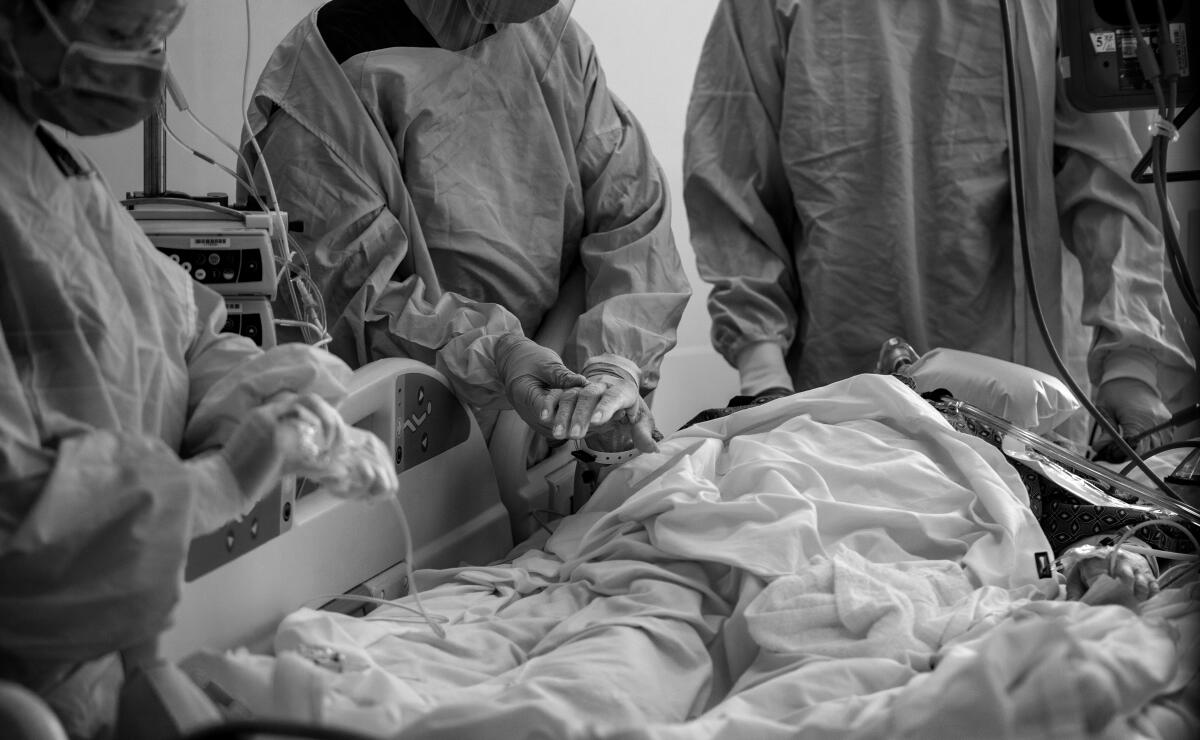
<point x="1130" y="577"/>
<point x="608" y="409"/>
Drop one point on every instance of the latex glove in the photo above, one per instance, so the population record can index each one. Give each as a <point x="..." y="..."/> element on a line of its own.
<point x="281" y="437"/>
<point x="534" y="379"/>
<point x="609" y="410"/>
<point x="1133" y="407"/>
<point x="1089" y="565"/>
<point x="360" y="467"/>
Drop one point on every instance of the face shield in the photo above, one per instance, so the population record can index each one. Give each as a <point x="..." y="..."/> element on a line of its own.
<point x="461" y="25"/>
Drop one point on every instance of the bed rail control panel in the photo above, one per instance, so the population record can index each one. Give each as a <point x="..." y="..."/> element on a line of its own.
<point x="429" y="420"/>
<point x="291" y="548"/>
<point x="267" y="520"/>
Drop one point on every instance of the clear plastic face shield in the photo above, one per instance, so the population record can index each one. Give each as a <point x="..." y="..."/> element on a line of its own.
<point x="462" y="25"/>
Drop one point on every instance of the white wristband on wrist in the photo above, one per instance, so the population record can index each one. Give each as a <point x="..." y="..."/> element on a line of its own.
<point x="581" y="451"/>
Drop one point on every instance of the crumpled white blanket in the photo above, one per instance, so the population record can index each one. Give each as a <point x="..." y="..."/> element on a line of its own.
<point x="840" y="563"/>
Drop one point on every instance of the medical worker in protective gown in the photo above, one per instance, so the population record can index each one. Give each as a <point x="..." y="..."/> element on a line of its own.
<point x="847" y="179"/>
<point x="475" y="144"/>
<point x="128" y="421"/>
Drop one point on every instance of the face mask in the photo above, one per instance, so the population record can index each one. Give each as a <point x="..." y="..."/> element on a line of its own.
<point x="99" y="90"/>
<point x="508" y="11"/>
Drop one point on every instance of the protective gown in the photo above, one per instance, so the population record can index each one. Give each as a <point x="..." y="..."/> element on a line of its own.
<point x="506" y="180"/>
<point x="847" y="179"/>
<point x="114" y="382"/>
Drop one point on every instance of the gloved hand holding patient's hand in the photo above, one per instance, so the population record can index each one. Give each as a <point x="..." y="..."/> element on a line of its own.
<point x="610" y="410"/>
<point x="1134" y="407"/>
<point x="534" y="379"/>
<point x="304" y="435"/>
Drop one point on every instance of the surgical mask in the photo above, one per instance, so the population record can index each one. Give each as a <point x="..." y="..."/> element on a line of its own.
<point x="99" y="90"/>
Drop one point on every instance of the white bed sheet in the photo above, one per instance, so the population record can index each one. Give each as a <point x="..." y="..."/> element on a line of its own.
<point x="839" y="563"/>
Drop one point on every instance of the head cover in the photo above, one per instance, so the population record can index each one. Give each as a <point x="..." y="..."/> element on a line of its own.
<point x="508" y="11"/>
<point x="100" y="88"/>
<point x="458" y="25"/>
<point x="461" y="25"/>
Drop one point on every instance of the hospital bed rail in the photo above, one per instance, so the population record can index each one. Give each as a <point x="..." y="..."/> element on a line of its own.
<point x="334" y="546"/>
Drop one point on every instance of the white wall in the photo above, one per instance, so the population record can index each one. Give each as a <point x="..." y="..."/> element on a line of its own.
<point x="649" y="51"/>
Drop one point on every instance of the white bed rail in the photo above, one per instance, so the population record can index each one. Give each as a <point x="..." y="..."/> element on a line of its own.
<point x="333" y="546"/>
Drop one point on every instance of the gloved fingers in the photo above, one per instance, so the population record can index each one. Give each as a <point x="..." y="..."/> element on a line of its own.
<point x="376" y="467"/>
<point x="561" y="376"/>
<point x="361" y="468"/>
<point x="300" y="438"/>
<point x="1133" y="407"/>
<point x="332" y="426"/>
<point x="533" y="402"/>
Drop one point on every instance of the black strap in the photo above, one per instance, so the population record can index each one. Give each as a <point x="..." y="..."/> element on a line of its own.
<point x="350" y="27"/>
<point x="63" y="159"/>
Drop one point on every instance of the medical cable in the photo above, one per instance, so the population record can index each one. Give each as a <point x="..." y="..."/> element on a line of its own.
<point x="1164" y="554"/>
<point x="418" y="617"/>
<point x="1131" y="531"/>
<point x="304" y="310"/>
<point x="408" y="567"/>
<point x="1182" y="444"/>
<point x="249" y="729"/>
<point x="1185" y="415"/>
<point x="1175" y="573"/>
<point x="303" y="300"/>
<point x="205" y="158"/>
<point x="434" y="622"/>
<point x="406" y="533"/>
<point x="1022" y="227"/>
<point x="1164" y="132"/>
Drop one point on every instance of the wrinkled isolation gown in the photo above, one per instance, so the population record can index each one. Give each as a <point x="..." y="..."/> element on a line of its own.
<point x="114" y="380"/>
<point x="506" y="181"/>
<point x="847" y="179"/>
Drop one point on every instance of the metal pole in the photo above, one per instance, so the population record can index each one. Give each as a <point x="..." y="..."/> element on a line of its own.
<point x="154" y="151"/>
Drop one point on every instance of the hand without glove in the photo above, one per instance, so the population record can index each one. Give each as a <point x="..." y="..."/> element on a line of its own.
<point x="1133" y="407"/>
<point x="610" y="409"/>
<point x="534" y="378"/>
<point x="1130" y="570"/>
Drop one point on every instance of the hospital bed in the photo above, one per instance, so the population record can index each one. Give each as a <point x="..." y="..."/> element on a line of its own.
<point x="840" y="563"/>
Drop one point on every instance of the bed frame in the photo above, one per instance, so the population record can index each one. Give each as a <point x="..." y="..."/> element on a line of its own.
<point x="243" y="579"/>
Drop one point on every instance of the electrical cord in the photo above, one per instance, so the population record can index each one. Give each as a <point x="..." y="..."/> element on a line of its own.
<point x="1131" y="531"/>
<point x="1182" y="444"/>
<point x="256" y="729"/>
<point x="303" y="302"/>
<point x="1022" y="227"/>
<point x="1156" y="73"/>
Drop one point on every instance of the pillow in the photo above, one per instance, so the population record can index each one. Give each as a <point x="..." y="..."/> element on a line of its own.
<point x="1027" y="398"/>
